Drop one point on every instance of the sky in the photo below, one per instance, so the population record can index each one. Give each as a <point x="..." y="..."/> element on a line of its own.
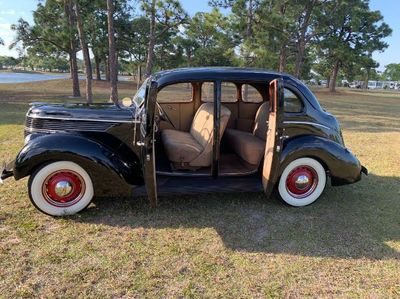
<point x="11" y="11"/>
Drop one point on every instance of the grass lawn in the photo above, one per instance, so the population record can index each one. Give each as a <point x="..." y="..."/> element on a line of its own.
<point x="347" y="244"/>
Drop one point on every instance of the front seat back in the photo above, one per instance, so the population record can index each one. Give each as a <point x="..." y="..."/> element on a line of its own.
<point x="202" y="131"/>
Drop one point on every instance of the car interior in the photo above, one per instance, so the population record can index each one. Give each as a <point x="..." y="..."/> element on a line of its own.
<point x="185" y="122"/>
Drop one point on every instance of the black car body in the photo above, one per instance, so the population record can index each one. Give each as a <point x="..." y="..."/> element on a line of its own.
<point x="113" y="142"/>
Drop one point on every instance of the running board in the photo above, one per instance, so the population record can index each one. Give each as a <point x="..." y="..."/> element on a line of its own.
<point x="203" y="185"/>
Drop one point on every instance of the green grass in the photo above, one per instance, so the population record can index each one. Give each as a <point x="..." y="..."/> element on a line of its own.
<point x="347" y="244"/>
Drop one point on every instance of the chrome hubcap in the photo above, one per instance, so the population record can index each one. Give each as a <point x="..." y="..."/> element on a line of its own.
<point x="302" y="182"/>
<point x="63" y="188"/>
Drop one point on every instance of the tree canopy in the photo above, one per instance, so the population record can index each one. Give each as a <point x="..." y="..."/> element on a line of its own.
<point x="330" y="37"/>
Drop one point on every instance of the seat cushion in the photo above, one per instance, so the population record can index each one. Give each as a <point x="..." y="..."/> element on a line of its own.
<point x="261" y="121"/>
<point x="180" y="146"/>
<point x="247" y="146"/>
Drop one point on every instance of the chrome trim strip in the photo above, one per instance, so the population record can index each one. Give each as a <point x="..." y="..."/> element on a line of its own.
<point x="306" y="123"/>
<point x="84" y="119"/>
<point x="33" y="130"/>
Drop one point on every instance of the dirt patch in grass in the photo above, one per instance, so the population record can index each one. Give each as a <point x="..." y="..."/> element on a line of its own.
<point x="347" y="244"/>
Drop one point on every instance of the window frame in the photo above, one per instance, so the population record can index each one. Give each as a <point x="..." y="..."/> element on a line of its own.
<point x="221" y="83"/>
<point x="247" y="102"/>
<point x="201" y="91"/>
<point x="299" y="95"/>
<point x="177" y="102"/>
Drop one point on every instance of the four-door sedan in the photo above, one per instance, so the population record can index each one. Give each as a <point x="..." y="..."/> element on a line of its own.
<point x="186" y="130"/>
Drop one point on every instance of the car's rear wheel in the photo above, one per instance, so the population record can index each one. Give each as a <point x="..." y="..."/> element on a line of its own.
<point x="302" y="182"/>
<point x="60" y="188"/>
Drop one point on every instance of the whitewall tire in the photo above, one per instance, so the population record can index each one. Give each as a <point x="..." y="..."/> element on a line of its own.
<point x="302" y="182"/>
<point x="60" y="188"/>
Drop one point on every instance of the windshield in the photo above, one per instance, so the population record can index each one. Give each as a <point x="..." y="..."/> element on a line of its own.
<point x="140" y="95"/>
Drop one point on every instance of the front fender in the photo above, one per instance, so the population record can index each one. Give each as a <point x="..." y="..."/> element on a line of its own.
<point x="79" y="149"/>
<point x="343" y="166"/>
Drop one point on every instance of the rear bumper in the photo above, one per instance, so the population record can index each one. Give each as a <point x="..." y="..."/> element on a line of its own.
<point x="6" y="171"/>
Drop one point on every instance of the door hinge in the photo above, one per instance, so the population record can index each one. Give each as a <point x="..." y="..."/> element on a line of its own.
<point x="148" y="157"/>
<point x="278" y="148"/>
<point x="283" y="137"/>
<point x="140" y="143"/>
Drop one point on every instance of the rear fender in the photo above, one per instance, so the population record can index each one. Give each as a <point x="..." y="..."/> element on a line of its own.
<point x="78" y="149"/>
<point x="343" y="166"/>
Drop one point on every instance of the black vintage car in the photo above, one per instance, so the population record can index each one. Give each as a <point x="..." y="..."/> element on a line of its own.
<point x="186" y="130"/>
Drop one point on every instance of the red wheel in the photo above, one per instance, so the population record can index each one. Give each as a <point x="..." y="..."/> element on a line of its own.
<point x="61" y="188"/>
<point x="302" y="182"/>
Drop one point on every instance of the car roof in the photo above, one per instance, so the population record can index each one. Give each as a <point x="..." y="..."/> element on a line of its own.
<point x="216" y="73"/>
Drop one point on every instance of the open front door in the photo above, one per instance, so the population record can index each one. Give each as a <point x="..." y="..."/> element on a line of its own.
<point x="147" y="130"/>
<point x="273" y="141"/>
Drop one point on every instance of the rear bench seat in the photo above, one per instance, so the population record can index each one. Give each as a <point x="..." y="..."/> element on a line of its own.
<point x="250" y="146"/>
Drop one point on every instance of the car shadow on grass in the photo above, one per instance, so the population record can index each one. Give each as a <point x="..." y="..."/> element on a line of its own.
<point x="354" y="221"/>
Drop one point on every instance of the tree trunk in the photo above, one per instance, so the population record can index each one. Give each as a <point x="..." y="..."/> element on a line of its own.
<point x="76" y="91"/>
<point x="72" y="51"/>
<point x="152" y="40"/>
<point x="335" y="71"/>
<point x="70" y="65"/>
<point x="112" y="57"/>
<point x="301" y="47"/>
<point x="282" y="58"/>
<point x="107" y="68"/>
<point x="86" y="56"/>
<point x="250" y="17"/>
<point x="302" y="41"/>
<point x="97" y="63"/>
<point x="367" y="75"/>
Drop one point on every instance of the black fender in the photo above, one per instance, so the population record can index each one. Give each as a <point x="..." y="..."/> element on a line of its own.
<point x="342" y="165"/>
<point x="89" y="153"/>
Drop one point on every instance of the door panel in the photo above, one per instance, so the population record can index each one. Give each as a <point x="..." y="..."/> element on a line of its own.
<point x="273" y="141"/>
<point x="148" y="148"/>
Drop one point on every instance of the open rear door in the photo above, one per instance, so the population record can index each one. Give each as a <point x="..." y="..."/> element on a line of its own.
<point x="147" y="130"/>
<point x="273" y="141"/>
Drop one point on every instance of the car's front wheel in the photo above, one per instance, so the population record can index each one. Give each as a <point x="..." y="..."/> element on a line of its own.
<point x="302" y="182"/>
<point x="60" y="188"/>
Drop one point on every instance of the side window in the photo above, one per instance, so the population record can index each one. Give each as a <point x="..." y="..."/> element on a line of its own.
<point x="228" y="92"/>
<point x="176" y="93"/>
<point x="251" y="94"/>
<point x="292" y="103"/>
<point x="207" y="92"/>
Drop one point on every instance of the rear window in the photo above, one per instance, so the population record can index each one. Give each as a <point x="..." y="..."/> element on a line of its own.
<point x="207" y="92"/>
<point x="228" y="92"/>
<point x="176" y="93"/>
<point x="293" y="103"/>
<point x="250" y="94"/>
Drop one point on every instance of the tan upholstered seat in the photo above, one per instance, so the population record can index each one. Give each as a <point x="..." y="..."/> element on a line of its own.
<point x="251" y="146"/>
<point x="194" y="149"/>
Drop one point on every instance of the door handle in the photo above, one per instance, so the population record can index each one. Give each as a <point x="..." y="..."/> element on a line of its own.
<point x="140" y="143"/>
